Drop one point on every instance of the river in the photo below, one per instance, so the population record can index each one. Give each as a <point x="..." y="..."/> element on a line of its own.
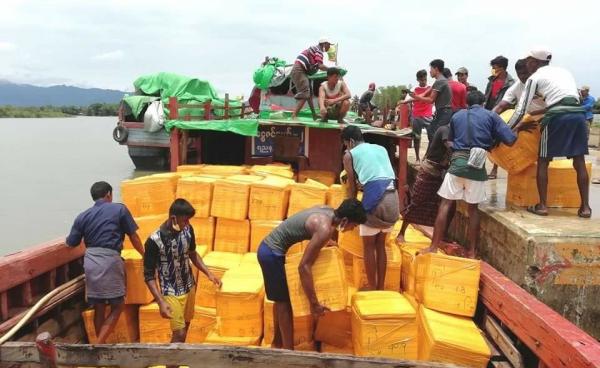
<point x="48" y="166"/>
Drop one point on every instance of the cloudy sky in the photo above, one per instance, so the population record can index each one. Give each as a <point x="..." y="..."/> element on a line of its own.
<point x="108" y="43"/>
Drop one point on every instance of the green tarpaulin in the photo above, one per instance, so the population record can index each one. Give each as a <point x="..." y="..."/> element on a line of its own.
<point x="248" y="127"/>
<point x="137" y="103"/>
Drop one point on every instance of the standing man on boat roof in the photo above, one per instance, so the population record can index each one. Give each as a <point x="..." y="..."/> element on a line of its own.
<point x="334" y="97"/>
<point x="169" y="251"/>
<point x="369" y="165"/>
<point x="421" y="112"/>
<point x="439" y="95"/>
<point x="564" y="126"/>
<point x="317" y="224"/>
<point x="307" y="63"/>
<point x="103" y="228"/>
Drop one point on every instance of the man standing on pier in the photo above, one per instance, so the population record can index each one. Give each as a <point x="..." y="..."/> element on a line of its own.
<point x="307" y="63"/>
<point x="102" y="228"/>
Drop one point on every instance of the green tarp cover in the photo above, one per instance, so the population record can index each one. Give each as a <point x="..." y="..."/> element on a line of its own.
<point x="248" y="127"/>
<point x="137" y="103"/>
<point x="263" y="75"/>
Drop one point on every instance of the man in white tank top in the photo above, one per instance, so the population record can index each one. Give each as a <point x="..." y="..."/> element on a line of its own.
<point x="334" y="97"/>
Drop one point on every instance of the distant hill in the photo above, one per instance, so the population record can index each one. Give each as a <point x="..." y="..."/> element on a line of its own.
<point x="29" y="95"/>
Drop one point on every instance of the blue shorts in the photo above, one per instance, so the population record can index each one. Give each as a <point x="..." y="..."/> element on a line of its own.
<point x="273" y="270"/>
<point x="565" y="135"/>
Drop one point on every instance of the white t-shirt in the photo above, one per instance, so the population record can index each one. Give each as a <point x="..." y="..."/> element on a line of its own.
<point x="550" y="83"/>
<point x="513" y="95"/>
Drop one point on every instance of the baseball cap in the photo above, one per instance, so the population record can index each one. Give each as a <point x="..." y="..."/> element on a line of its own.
<point x="539" y="53"/>
<point x="325" y="40"/>
<point x="462" y="70"/>
<point x="585" y="88"/>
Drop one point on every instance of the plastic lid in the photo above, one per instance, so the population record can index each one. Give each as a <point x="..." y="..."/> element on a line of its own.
<point x="222" y="260"/>
<point x="372" y="305"/>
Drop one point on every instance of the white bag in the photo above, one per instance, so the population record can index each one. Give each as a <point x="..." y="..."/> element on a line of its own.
<point x="477" y="157"/>
<point x="154" y="117"/>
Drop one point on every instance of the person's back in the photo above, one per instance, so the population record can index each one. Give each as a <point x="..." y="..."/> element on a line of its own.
<point x="444" y="96"/>
<point x="459" y="95"/>
<point x="485" y="128"/>
<point x="438" y="151"/>
<point x="102" y="226"/>
<point x="554" y="83"/>
<point x="371" y="162"/>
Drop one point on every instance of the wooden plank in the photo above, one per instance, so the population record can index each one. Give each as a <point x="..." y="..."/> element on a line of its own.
<point x="226" y="107"/>
<point x="173" y="108"/>
<point x="497" y="360"/>
<point x="26" y="294"/>
<point x="20" y="267"/>
<point x="175" y="149"/>
<point x="556" y="341"/>
<point x="325" y="150"/>
<point x="503" y="342"/>
<point x="140" y="355"/>
<point x="3" y="306"/>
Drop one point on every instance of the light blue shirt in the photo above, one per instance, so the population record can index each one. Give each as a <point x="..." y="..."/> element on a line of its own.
<point x="588" y="105"/>
<point x="371" y="162"/>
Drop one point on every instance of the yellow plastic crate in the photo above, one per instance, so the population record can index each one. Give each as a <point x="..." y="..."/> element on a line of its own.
<point x="214" y="338"/>
<point x="198" y="191"/>
<point x="217" y="263"/>
<point x="284" y="171"/>
<point x="392" y="274"/>
<point x="137" y="290"/>
<point x="351" y="242"/>
<point x="269" y="199"/>
<point x="204" y="230"/>
<point x="201" y="250"/>
<point x="259" y="229"/>
<point x="329" y="281"/>
<point x="153" y="328"/>
<point x="335" y="195"/>
<point x="221" y="170"/>
<point x="230" y="199"/>
<point x="303" y="196"/>
<point x="248" y="259"/>
<point x="246" y="178"/>
<point x="303" y="328"/>
<point x="324" y="177"/>
<point x="205" y="320"/>
<point x="146" y="226"/>
<point x="451" y="339"/>
<point x="190" y="168"/>
<point x="332" y="349"/>
<point x="448" y="284"/>
<point x="232" y="236"/>
<point x="384" y="324"/>
<point x="562" y="186"/>
<point x="408" y="269"/>
<point x="298" y="248"/>
<point x="240" y="304"/>
<point x="126" y="329"/>
<point x="146" y="197"/>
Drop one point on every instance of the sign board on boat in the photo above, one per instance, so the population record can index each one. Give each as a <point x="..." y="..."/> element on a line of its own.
<point x="262" y="145"/>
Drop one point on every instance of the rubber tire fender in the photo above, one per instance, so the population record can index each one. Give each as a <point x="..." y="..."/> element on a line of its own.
<point x="120" y="134"/>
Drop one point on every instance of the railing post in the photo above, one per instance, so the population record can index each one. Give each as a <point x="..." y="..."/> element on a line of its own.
<point x="175" y="149"/>
<point x="242" y="112"/>
<point x="404" y="116"/>
<point x="226" y="107"/>
<point x="173" y="108"/>
<point x="207" y="110"/>
<point x="46" y="350"/>
<point x="3" y="306"/>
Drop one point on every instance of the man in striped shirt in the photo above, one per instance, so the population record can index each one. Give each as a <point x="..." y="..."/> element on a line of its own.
<point x="307" y="63"/>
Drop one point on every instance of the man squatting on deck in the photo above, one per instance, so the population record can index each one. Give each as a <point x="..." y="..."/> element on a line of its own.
<point x="317" y="224"/>
<point x="169" y="251"/>
<point x="102" y="228"/>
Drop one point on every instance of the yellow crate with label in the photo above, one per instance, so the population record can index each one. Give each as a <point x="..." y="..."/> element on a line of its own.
<point x="306" y="195"/>
<point x="137" y="290"/>
<point x="269" y="199"/>
<point x="204" y="230"/>
<point x="240" y="304"/>
<point x="232" y="236"/>
<point x="198" y="191"/>
<point x="230" y="199"/>
<point x="408" y="269"/>
<point x="148" y="196"/>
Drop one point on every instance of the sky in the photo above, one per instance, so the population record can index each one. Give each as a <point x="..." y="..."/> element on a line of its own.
<point x="109" y="43"/>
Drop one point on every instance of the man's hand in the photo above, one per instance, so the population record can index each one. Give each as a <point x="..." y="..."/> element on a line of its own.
<point x="317" y="310"/>
<point x="329" y="102"/>
<point x="528" y="127"/>
<point x="165" y="310"/>
<point x="215" y="280"/>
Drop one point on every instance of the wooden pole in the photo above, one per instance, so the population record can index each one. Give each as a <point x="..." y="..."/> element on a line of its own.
<point x="226" y="107"/>
<point x="207" y="110"/>
<point x="46" y="350"/>
<point x="173" y="108"/>
<point x="174" y="149"/>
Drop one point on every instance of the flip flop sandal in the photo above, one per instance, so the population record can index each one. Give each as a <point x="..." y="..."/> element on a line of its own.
<point x="492" y="176"/>
<point x="535" y="211"/>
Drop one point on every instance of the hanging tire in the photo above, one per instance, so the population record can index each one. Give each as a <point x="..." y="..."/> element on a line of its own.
<point x="120" y="134"/>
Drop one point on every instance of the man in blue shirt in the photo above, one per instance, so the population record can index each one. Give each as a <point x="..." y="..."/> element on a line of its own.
<point x="471" y="130"/>
<point x="103" y="227"/>
<point x="587" y="102"/>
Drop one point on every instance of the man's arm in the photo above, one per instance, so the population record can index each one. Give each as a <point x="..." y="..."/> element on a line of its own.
<point x="322" y="98"/>
<point x="501" y="131"/>
<point x="129" y="226"/>
<point x="137" y="242"/>
<point x="351" y="190"/>
<point x="197" y="261"/>
<point x="75" y="236"/>
<point x="151" y="258"/>
<point x="321" y="235"/>
<point x="501" y="107"/>
<point x="524" y="102"/>
<point x="429" y="96"/>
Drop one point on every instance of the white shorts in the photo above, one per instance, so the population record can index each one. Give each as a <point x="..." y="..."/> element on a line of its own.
<point x="456" y="188"/>
<point x="364" y="230"/>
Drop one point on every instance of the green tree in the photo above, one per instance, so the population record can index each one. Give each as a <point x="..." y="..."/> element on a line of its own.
<point x="388" y="96"/>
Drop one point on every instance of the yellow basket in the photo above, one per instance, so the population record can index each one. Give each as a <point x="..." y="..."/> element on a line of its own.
<point x="269" y="199"/>
<point x="204" y="231"/>
<point x="230" y="199"/>
<point x="232" y="236"/>
<point x="204" y="321"/>
<point x="335" y="195"/>
<point x="324" y="177"/>
<point x="126" y="329"/>
<point x="146" y="226"/>
<point x="145" y="197"/>
<point x="240" y="304"/>
<point x="259" y="231"/>
<point x="217" y="263"/>
<point x="137" y="290"/>
<point x="198" y="191"/>
<point x="303" y="196"/>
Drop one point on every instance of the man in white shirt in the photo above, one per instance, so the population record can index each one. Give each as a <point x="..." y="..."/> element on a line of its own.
<point x="514" y="92"/>
<point x="564" y="128"/>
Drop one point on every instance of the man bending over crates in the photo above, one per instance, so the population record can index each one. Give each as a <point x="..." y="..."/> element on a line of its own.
<point x="317" y="224"/>
<point x="169" y="250"/>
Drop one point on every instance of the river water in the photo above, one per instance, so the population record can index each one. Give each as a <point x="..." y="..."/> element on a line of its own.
<point x="47" y="168"/>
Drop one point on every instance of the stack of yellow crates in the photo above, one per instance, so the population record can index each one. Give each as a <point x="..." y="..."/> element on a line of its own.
<point x="126" y="329"/>
<point x="146" y="226"/>
<point x="269" y="198"/>
<point x="198" y="191"/>
<point x="450" y="339"/>
<point x="335" y="195"/>
<point x="221" y="170"/>
<point x="448" y="284"/>
<point x="204" y="230"/>
<point x="562" y="186"/>
<point x="324" y="177"/>
<point x="329" y="281"/>
<point x="232" y="236"/>
<point x="153" y="328"/>
<point x="230" y="199"/>
<point x="205" y="320"/>
<point x="306" y="195"/>
<point x="384" y="324"/>
<point x="282" y="170"/>
<point x="214" y="338"/>
<point x="137" y="290"/>
<point x="409" y="265"/>
<point x="240" y="302"/>
<point x="351" y="242"/>
<point x="217" y="263"/>
<point x="145" y="197"/>
<point x="259" y="229"/>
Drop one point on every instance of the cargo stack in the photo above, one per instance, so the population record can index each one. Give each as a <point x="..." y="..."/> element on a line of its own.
<point x="259" y="229"/>
<point x="126" y="329"/>
<point x="137" y="290"/>
<point x="148" y="195"/>
<point x="146" y="226"/>
<point x="218" y="263"/>
<point x="306" y="195"/>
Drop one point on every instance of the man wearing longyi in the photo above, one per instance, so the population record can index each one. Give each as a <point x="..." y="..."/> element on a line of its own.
<point x="317" y="224"/>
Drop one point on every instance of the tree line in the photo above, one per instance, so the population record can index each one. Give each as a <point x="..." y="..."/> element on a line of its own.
<point x="97" y="109"/>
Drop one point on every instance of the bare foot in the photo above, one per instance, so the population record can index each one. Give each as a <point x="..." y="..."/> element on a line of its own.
<point x="430" y="249"/>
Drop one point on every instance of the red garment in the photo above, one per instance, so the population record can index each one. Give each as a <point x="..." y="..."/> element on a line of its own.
<point x="421" y="109"/>
<point x="459" y="95"/>
<point x="497" y="85"/>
